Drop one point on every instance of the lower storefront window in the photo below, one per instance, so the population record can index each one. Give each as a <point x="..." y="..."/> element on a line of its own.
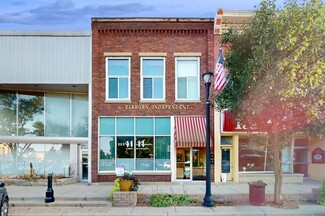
<point x="140" y="143"/>
<point x="255" y="154"/>
<point x="18" y="158"/>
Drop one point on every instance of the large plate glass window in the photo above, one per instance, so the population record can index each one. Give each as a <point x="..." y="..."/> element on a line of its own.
<point x="187" y="78"/>
<point x="255" y="154"/>
<point x="118" y="78"/>
<point x="141" y="143"/>
<point x="153" y="79"/>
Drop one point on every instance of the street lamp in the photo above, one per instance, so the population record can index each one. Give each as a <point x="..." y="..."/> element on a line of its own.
<point x="208" y="199"/>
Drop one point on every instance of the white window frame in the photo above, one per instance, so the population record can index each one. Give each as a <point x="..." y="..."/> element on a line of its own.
<point x="163" y="78"/>
<point x="118" y="77"/>
<point x="197" y="79"/>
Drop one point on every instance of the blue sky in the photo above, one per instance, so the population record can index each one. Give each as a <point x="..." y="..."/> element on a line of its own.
<point x="76" y="14"/>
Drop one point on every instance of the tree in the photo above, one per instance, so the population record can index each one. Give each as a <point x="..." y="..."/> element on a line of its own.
<point x="276" y="75"/>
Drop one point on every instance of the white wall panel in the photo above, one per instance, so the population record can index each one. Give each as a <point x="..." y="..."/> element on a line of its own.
<point x="45" y="57"/>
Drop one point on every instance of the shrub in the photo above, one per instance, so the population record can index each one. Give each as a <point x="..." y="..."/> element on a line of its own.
<point x="161" y="200"/>
<point x="164" y="200"/>
<point x="115" y="188"/>
<point x="322" y="194"/>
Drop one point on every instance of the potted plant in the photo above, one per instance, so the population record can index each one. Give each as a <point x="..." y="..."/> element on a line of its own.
<point x="129" y="182"/>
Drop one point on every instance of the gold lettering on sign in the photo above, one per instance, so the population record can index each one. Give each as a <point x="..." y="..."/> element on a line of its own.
<point x="170" y="107"/>
<point x="136" y="107"/>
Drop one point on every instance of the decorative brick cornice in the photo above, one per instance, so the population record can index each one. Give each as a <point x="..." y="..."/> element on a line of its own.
<point x="127" y="32"/>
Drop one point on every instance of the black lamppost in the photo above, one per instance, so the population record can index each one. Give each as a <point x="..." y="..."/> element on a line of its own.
<point x="208" y="199"/>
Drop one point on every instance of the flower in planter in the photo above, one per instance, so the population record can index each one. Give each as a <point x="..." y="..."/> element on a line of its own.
<point x="130" y="179"/>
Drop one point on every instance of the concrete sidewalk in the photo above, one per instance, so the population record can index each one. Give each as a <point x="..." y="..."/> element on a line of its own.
<point x="83" y="199"/>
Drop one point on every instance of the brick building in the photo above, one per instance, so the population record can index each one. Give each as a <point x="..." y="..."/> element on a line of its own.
<point x="148" y="97"/>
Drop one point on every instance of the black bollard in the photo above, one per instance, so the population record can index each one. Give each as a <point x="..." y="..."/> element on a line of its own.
<point x="49" y="195"/>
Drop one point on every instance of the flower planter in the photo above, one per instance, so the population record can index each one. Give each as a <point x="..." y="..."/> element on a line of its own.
<point x="125" y="185"/>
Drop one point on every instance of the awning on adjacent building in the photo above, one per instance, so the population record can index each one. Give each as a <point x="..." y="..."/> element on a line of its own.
<point x="190" y="132"/>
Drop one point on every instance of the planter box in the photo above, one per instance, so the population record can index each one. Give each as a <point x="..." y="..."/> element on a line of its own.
<point x="39" y="182"/>
<point x="125" y="198"/>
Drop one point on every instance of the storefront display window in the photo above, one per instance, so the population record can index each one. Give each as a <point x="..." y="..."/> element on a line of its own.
<point x="255" y="154"/>
<point x="44" y="158"/>
<point x="107" y="153"/>
<point x="162" y="153"/>
<point x="141" y="143"/>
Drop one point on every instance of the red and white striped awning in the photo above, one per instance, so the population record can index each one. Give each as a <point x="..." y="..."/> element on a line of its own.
<point x="190" y="132"/>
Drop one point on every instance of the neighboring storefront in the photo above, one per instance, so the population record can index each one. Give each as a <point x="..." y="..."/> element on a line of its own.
<point x="241" y="156"/>
<point x="44" y="105"/>
<point x="149" y="98"/>
<point x="246" y="156"/>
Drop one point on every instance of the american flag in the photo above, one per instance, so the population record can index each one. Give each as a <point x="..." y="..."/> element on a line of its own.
<point x="220" y="74"/>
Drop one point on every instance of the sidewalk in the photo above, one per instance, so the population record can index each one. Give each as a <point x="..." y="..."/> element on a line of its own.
<point x="81" y="198"/>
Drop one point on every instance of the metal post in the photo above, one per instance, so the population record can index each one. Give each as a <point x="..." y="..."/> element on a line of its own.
<point x="208" y="199"/>
<point x="49" y="194"/>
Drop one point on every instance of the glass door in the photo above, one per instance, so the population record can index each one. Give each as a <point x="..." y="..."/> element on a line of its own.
<point x="183" y="167"/>
<point x="226" y="164"/>
<point x="190" y="164"/>
<point x="198" y="164"/>
<point x="84" y="164"/>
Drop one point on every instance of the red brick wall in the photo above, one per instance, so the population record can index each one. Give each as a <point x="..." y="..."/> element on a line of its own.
<point x="135" y="37"/>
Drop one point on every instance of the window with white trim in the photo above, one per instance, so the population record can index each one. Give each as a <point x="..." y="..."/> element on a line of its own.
<point x="136" y="143"/>
<point x="187" y="78"/>
<point x="117" y="78"/>
<point x="152" y="78"/>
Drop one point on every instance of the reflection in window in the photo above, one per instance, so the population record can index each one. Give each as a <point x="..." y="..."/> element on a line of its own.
<point x="57" y="158"/>
<point x="8" y="113"/>
<point x="30" y="114"/>
<point x="255" y="154"/>
<point x="23" y="114"/>
<point x="44" y="158"/>
<point x="107" y="153"/>
<point x="79" y="114"/>
<point x="57" y="115"/>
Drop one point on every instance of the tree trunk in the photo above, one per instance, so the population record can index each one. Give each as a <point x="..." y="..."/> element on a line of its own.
<point x="277" y="170"/>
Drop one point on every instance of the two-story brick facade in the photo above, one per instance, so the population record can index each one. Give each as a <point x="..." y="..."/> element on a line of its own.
<point x="148" y="98"/>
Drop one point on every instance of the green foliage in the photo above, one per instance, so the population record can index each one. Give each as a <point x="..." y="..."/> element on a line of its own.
<point x="276" y="74"/>
<point x="115" y="188"/>
<point x="322" y="194"/>
<point x="164" y="200"/>
<point x="276" y="68"/>
<point x="161" y="200"/>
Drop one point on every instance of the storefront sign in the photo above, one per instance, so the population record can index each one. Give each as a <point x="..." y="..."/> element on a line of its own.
<point x="318" y="156"/>
<point x="119" y="170"/>
<point x="156" y="107"/>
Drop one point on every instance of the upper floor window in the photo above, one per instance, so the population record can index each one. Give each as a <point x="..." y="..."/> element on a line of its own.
<point x="118" y="79"/>
<point x="187" y="78"/>
<point x="152" y="78"/>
